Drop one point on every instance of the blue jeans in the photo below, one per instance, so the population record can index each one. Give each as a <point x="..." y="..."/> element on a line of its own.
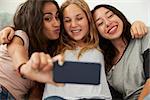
<point x="54" y="98"/>
<point x="60" y="98"/>
<point x="4" y="94"/>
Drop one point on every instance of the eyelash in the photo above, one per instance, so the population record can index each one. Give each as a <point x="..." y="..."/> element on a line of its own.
<point x="67" y="21"/>
<point x="47" y="19"/>
<point x="100" y="24"/>
<point x="110" y="15"/>
<point x="80" y="18"/>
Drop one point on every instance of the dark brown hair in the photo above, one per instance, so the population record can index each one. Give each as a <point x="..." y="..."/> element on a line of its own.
<point x="107" y="47"/>
<point x="29" y="18"/>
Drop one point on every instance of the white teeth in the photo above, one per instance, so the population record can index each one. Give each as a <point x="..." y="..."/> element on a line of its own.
<point x="75" y="31"/>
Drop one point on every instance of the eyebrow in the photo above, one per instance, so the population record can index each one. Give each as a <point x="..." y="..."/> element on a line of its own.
<point x="97" y="19"/>
<point x="76" y="15"/>
<point x="47" y="13"/>
<point x="50" y="13"/>
<point x="105" y="13"/>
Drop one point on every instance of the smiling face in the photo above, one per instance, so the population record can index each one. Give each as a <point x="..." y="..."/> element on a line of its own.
<point x="51" y="21"/>
<point x="109" y="25"/>
<point x="75" y="22"/>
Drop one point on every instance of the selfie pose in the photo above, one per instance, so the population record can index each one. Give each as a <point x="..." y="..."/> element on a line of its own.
<point x="19" y="68"/>
<point x="79" y="44"/>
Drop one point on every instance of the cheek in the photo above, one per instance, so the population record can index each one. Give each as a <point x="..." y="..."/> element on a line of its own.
<point x="86" y="26"/>
<point x="66" y="26"/>
<point x="101" y="29"/>
<point x="47" y="25"/>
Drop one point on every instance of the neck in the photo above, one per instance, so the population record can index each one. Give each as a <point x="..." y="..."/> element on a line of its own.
<point x="119" y="44"/>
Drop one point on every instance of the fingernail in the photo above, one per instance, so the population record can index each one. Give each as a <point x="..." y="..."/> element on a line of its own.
<point x="50" y="62"/>
<point x="60" y="63"/>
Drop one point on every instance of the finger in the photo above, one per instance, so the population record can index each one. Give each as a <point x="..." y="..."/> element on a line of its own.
<point x="49" y="60"/>
<point x="134" y="32"/>
<point x="140" y="31"/>
<point x="146" y="30"/>
<point x="132" y="35"/>
<point x="11" y="35"/>
<point x="59" y="58"/>
<point x="48" y="63"/>
<point x="4" y="38"/>
<point x="35" y="61"/>
<point x="43" y="60"/>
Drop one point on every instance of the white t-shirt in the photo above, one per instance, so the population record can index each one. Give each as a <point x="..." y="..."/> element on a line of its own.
<point x="127" y="76"/>
<point x="79" y="91"/>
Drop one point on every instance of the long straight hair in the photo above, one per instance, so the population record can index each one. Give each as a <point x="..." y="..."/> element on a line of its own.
<point x="109" y="50"/>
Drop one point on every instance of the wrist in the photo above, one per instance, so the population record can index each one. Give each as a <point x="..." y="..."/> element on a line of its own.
<point x="18" y="70"/>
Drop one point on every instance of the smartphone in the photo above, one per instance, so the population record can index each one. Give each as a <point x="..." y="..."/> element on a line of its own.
<point x="77" y="72"/>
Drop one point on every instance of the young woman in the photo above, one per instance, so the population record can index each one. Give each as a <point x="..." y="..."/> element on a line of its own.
<point x="124" y="57"/>
<point x="40" y="20"/>
<point x="79" y="43"/>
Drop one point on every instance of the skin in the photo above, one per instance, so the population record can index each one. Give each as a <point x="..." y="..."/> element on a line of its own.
<point x="51" y="22"/>
<point x="39" y="66"/>
<point x="145" y="91"/>
<point x="75" y="23"/>
<point x="110" y="26"/>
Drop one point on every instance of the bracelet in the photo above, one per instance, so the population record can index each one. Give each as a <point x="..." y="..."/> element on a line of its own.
<point x="19" y="70"/>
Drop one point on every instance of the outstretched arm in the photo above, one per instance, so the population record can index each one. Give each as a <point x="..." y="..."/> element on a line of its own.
<point x="38" y="67"/>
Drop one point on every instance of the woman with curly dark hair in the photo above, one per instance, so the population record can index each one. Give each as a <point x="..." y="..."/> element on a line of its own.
<point x="40" y="19"/>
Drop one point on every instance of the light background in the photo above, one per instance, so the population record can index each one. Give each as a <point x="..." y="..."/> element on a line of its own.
<point x="133" y="9"/>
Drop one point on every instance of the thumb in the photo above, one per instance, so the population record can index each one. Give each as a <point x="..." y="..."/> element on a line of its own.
<point x="59" y="58"/>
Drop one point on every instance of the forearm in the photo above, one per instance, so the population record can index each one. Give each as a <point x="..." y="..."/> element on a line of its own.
<point x="145" y="91"/>
<point x="18" y="52"/>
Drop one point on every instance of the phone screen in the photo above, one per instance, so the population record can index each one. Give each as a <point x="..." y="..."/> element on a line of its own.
<point x="77" y="73"/>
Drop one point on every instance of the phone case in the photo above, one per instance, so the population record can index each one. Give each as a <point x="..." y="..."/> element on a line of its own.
<point x="77" y="72"/>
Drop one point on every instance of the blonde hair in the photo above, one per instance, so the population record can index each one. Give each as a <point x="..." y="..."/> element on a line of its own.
<point x="91" y="39"/>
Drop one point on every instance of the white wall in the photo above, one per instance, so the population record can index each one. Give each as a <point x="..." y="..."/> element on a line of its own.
<point x="133" y="9"/>
<point x="9" y="5"/>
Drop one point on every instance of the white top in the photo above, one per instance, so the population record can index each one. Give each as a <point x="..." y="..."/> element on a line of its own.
<point x="79" y="91"/>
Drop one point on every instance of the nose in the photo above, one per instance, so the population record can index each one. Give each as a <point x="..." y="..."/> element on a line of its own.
<point x="56" y="22"/>
<point x="73" y="23"/>
<point x="107" y="21"/>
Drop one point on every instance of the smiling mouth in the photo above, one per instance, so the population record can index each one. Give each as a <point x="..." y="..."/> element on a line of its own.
<point x="76" y="31"/>
<point x="112" y="30"/>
